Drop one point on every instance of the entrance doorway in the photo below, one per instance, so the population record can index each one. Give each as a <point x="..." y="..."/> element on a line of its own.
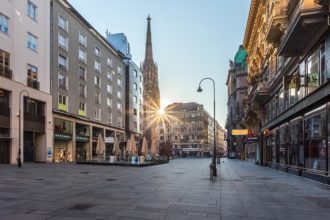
<point x="28" y="147"/>
<point x="4" y="151"/>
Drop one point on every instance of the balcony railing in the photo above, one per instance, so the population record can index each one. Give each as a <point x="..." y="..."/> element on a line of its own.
<point x="33" y="83"/>
<point x="6" y="72"/>
<point x="34" y="117"/>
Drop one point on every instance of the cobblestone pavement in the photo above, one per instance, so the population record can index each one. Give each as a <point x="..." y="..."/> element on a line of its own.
<point x="178" y="190"/>
<point x="253" y="192"/>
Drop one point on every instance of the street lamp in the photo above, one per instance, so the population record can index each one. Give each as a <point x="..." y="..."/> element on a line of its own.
<point x="20" y="115"/>
<point x="214" y="125"/>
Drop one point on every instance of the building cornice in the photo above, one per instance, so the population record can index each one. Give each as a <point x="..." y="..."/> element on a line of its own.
<point x="250" y="22"/>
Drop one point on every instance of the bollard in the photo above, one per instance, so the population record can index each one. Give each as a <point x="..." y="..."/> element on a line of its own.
<point x="211" y="171"/>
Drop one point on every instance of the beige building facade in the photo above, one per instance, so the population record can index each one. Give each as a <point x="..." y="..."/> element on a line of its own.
<point x="25" y="116"/>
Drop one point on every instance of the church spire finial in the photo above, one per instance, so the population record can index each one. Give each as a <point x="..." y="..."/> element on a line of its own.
<point x="148" y="55"/>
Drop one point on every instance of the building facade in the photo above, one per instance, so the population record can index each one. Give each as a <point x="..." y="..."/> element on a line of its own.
<point x="221" y="141"/>
<point x="134" y="87"/>
<point x="25" y="114"/>
<point x="237" y="90"/>
<point x="186" y="128"/>
<point x="151" y="94"/>
<point x="288" y="45"/>
<point x="88" y="87"/>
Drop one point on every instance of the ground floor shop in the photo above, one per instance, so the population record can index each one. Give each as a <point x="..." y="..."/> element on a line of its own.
<point x="302" y="144"/>
<point x="77" y="140"/>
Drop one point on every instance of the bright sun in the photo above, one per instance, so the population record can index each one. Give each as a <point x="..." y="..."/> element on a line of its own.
<point x="161" y="111"/>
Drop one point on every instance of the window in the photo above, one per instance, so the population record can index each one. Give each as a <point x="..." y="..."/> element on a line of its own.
<point x="32" y="72"/>
<point x="109" y="75"/>
<point x="82" y="55"/>
<point x="120" y="121"/>
<point x="135" y="111"/>
<point x="63" y="23"/>
<point x="32" y="11"/>
<point x="119" y="106"/>
<point x="135" y="73"/>
<point x="109" y="61"/>
<point x="135" y="125"/>
<point x="62" y="82"/>
<point x="97" y="113"/>
<point x="32" y="79"/>
<point x="82" y="90"/>
<point x="4" y="24"/>
<point x="82" y="106"/>
<point x="82" y="39"/>
<point x="312" y="72"/>
<point x="97" y="66"/>
<point x="62" y="99"/>
<point x="135" y="99"/>
<point x="140" y="78"/>
<point x="119" y="94"/>
<point x="119" y="69"/>
<point x="119" y="82"/>
<point x="62" y="41"/>
<point x="109" y="88"/>
<point x="4" y="64"/>
<point x="97" y="52"/>
<point x="315" y="140"/>
<point x="32" y="42"/>
<point x="109" y="117"/>
<point x="135" y="86"/>
<point x="97" y="82"/>
<point x="109" y="102"/>
<point x="140" y="91"/>
<point x="62" y="61"/>
<point x="97" y="97"/>
<point x="82" y="73"/>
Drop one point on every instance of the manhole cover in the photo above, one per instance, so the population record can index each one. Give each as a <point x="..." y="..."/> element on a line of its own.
<point x="110" y="180"/>
<point x="81" y="206"/>
<point x="84" y="172"/>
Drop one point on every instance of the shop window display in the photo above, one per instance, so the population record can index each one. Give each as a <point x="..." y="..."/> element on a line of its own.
<point x="295" y="142"/>
<point x="282" y="143"/>
<point x="315" y="141"/>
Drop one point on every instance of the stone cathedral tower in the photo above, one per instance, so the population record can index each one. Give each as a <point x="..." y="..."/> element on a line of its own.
<point x="151" y="94"/>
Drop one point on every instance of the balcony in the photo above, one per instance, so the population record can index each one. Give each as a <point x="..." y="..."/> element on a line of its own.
<point x="34" y="122"/>
<point x="307" y="20"/>
<point x="33" y="83"/>
<point x="277" y="22"/>
<point x="6" y="72"/>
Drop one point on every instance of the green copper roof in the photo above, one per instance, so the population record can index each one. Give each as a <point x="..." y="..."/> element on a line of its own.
<point x="240" y="57"/>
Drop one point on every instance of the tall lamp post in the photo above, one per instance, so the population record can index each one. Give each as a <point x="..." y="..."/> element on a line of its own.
<point x="20" y="115"/>
<point x="214" y="125"/>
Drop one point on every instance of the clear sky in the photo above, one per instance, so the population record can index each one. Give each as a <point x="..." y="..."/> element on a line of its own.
<point x="192" y="39"/>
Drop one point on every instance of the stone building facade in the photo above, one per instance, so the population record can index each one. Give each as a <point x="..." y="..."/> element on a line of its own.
<point x="237" y="90"/>
<point x="88" y="87"/>
<point x="187" y="130"/>
<point x="288" y="102"/>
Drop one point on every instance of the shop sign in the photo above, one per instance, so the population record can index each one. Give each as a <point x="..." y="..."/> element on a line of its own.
<point x="109" y="139"/>
<point x="63" y="137"/>
<point x="82" y="138"/>
<point x="190" y="149"/>
<point x="251" y="139"/>
<point x="239" y="132"/>
<point x="49" y="152"/>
